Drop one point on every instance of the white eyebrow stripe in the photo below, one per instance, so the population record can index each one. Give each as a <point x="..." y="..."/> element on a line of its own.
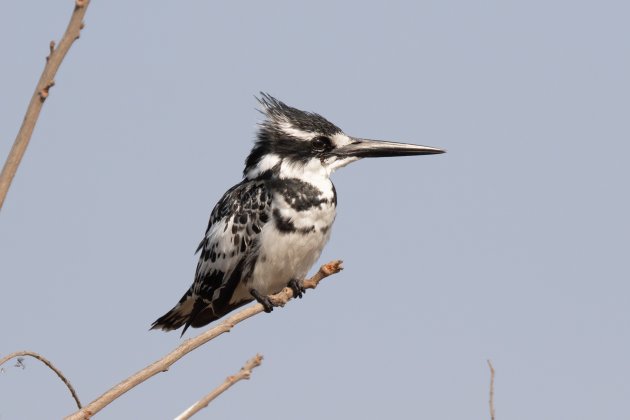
<point x="296" y="132"/>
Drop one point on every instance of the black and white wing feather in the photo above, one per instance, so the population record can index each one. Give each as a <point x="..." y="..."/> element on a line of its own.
<point x="228" y="256"/>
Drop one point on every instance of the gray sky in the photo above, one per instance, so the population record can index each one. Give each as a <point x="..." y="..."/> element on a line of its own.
<point x="513" y="246"/>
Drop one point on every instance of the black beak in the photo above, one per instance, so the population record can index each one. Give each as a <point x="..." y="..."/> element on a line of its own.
<point x="364" y="148"/>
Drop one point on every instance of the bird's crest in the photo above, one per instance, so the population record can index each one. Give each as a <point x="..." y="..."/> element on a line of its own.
<point x="292" y="123"/>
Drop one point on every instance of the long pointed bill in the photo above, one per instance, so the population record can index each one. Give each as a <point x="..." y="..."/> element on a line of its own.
<point x="364" y="148"/>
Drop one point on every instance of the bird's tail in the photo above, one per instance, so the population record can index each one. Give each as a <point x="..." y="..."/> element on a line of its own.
<point x="193" y="311"/>
<point x="181" y="314"/>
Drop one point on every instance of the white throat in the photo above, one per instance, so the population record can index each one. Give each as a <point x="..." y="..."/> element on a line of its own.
<point x="312" y="172"/>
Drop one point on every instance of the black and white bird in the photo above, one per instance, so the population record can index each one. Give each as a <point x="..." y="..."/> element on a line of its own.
<point x="267" y="231"/>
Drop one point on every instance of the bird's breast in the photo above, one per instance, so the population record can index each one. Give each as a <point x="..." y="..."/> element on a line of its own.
<point x="291" y="242"/>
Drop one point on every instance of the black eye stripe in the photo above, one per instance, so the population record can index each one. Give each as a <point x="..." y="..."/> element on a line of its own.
<point x="321" y="143"/>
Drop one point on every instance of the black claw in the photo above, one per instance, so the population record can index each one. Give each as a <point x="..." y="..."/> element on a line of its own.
<point x="263" y="300"/>
<point x="298" y="288"/>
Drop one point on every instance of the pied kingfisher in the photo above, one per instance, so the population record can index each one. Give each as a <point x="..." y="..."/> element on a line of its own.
<point x="267" y="231"/>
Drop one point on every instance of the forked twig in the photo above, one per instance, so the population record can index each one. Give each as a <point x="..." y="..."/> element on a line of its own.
<point x="48" y="363"/>
<point x="244" y="373"/>
<point x="42" y="90"/>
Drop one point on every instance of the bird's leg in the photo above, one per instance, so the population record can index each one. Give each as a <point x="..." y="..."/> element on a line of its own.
<point x="298" y="288"/>
<point x="264" y="300"/>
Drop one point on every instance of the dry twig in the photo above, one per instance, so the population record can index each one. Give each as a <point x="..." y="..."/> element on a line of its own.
<point x="46" y="81"/>
<point x="47" y="363"/>
<point x="244" y="373"/>
<point x="491" y="401"/>
<point x="163" y="364"/>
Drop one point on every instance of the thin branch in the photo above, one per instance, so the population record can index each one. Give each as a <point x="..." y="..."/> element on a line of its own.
<point x="244" y="373"/>
<point x="47" y="363"/>
<point x="46" y="81"/>
<point x="491" y="401"/>
<point x="163" y="364"/>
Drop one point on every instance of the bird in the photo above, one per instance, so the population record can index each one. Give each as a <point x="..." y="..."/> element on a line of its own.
<point x="267" y="231"/>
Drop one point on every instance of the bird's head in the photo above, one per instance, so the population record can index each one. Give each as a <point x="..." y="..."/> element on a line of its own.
<point x="300" y="139"/>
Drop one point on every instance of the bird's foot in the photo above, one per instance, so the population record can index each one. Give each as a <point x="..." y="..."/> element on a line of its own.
<point x="298" y="288"/>
<point x="264" y="300"/>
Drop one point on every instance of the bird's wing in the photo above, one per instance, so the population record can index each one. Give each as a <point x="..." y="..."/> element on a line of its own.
<point x="229" y="248"/>
<point x="228" y="255"/>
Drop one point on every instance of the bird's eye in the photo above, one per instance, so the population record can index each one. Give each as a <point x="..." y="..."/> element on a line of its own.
<point x="321" y="143"/>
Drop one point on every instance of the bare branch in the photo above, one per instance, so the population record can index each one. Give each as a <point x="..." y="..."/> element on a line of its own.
<point x="244" y="373"/>
<point x="163" y="364"/>
<point x="47" y="363"/>
<point x="46" y="81"/>
<point x="491" y="401"/>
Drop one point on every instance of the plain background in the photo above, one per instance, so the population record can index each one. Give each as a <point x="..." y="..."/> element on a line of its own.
<point x="513" y="246"/>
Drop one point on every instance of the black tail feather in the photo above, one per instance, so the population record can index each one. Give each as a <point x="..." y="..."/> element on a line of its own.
<point x="179" y="315"/>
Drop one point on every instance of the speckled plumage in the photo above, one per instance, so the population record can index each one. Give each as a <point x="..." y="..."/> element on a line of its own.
<point x="234" y="246"/>
<point x="267" y="231"/>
